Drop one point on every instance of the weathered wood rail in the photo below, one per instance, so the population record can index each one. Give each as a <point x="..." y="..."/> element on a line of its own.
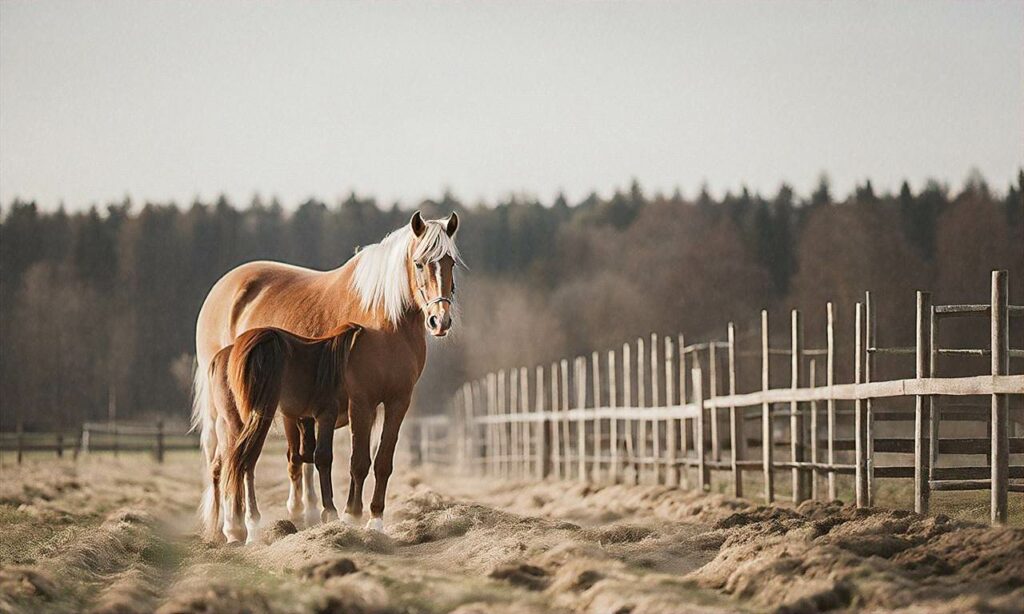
<point x="100" y="437"/>
<point x="659" y="408"/>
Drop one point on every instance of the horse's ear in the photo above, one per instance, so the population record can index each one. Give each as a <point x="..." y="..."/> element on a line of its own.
<point x="417" y="223"/>
<point x="452" y="225"/>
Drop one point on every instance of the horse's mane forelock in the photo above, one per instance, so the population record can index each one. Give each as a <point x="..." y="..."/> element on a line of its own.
<point x="381" y="278"/>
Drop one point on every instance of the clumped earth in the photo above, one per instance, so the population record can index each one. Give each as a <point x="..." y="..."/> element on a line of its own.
<point x="113" y="535"/>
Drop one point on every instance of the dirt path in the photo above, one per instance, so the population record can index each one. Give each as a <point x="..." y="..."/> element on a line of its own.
<point x="110" y="535"/>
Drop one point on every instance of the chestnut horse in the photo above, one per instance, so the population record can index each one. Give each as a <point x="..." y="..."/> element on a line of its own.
<point x="264" y="369"/>
<point x="396" y="290"/>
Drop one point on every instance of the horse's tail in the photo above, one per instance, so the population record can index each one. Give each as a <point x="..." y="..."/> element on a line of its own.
<point x="203" y="419"/>
<point x="255" y="371"/>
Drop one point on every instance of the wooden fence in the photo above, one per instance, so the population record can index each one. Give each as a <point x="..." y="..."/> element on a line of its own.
<point x="655" y="412"/>
<point x="101" y="437"/>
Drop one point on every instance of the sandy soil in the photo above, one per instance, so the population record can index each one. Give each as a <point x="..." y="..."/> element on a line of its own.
<point x="118" y="535"/>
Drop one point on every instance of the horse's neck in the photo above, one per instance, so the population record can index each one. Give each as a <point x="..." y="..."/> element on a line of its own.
<point x="348" y="307"/>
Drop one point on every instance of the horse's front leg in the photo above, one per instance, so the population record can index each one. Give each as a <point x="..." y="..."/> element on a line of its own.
<point x="394" y="413"/>
<point x="307" y="449"/>
<point x="291" y="434"/>
<point x="360" y="416"/>
<point x="324" y="458"/>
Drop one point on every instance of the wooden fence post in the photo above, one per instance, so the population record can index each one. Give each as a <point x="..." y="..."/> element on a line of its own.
<point x="736" y="431"/>
<point x="515" y="424"/>
<point x="60" y="444"/>
<point x="685" y="432"/>
<point x="596" y="430"/>
<point x="424" y="444"/>
<point x="159" y="441"/>
<point x="627" y="402"/>
<point x="21" y="441"/>
<point x="812" y="377"/>
<point x="479" y="453"/>
<point x="526" y="426"/>
<point x="544" y="462"/>
<point x="1000" y="402"/>
<point x="671" y="433"/>
<point x="465" y="421"/>
<point x="698" y="398"/>
<point x="566" y="427"/>
<point x="796" y="421"/>
<point x="504" y="435"/>
<point x="859" y="418"/>
<point x="614" y="427"/>
<point x="767" y="439"/>
<point x="830" y="408"/>
<point x="471" y="405"/>
<point x="716" y="447"/>
<point x="85" y="438"/>
<point x="934" y="413"/>
<point x="117" y="443"/>
<point x="641" y="401"/>
<point x="923" y="406"/>
<point x="870" y="342"/>
<point x="655" y="402"/>
<point x="491" y="457"/>
<point x="580" y="368"/>
<point x="556" y="439"/>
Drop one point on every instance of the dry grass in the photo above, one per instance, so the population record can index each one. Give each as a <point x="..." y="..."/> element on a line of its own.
<point x="108" y="535"/>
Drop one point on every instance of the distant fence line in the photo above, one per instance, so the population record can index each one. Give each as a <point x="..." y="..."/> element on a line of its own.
<point x="101" y="437"/>
<point x="653" y="421"/>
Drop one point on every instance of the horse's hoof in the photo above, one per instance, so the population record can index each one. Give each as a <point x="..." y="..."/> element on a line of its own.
<point x="253" y="536"/>
<point x="328" y="515"/>
<point x="312" y="518"/>
<point x="234" y="538"/>
<point x="375" y="524"/>
<point x="350" y="520"/>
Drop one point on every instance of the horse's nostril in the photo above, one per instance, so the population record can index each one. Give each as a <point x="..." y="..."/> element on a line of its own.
<point x="432" y="321"/>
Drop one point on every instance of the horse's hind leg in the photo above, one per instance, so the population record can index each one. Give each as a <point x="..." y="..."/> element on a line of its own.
<point x="394" y="413"/>
<point x="307" y="449"/>
<point x="234" y="530"/>
<point x="324" y="457"/>
<point x="252" y="510"/>
<point x="212" y="500"/>
<point x="360" y="422"/>
<point x="291" y="433"/>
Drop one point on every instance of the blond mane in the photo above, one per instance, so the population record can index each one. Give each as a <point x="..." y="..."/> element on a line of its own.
<point x="381" y="277"/>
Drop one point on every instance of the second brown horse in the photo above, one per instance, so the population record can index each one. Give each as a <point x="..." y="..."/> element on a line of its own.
<point x="267" y="369"/>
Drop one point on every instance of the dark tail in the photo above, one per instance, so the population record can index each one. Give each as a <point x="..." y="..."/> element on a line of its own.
<point x="255" y="371"/>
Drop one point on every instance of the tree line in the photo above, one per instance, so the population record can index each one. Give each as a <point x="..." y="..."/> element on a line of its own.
<point x="98" y="308"/>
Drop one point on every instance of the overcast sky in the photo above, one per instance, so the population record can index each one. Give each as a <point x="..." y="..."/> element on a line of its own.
<point x="172" y="100"/>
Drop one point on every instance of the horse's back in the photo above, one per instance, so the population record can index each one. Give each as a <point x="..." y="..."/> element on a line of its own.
<point x="235" y="299"/>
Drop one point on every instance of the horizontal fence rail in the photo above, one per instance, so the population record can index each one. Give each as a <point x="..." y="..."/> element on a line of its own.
<point x="661" y="411"/>
<point x="102" y="437"/>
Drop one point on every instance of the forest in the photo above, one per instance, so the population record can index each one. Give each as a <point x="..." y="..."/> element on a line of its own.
<point x="98" y="307"/>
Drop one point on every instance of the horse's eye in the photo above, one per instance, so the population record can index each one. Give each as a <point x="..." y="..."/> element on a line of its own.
<point x="419" y="266"/>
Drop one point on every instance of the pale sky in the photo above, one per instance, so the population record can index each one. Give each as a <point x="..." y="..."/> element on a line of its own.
<point x="170" y="100"/>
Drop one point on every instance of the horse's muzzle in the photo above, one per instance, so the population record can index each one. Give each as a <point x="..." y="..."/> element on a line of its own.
<point x="438" y="325"/>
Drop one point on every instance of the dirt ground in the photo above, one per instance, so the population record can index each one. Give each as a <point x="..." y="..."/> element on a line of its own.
<point x="119" y="535"/>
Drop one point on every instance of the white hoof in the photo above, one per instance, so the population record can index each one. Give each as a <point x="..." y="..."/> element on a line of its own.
<point x="311" y="517"/>
<point x="252" y="530"/>
<point x="375" y="524"/>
